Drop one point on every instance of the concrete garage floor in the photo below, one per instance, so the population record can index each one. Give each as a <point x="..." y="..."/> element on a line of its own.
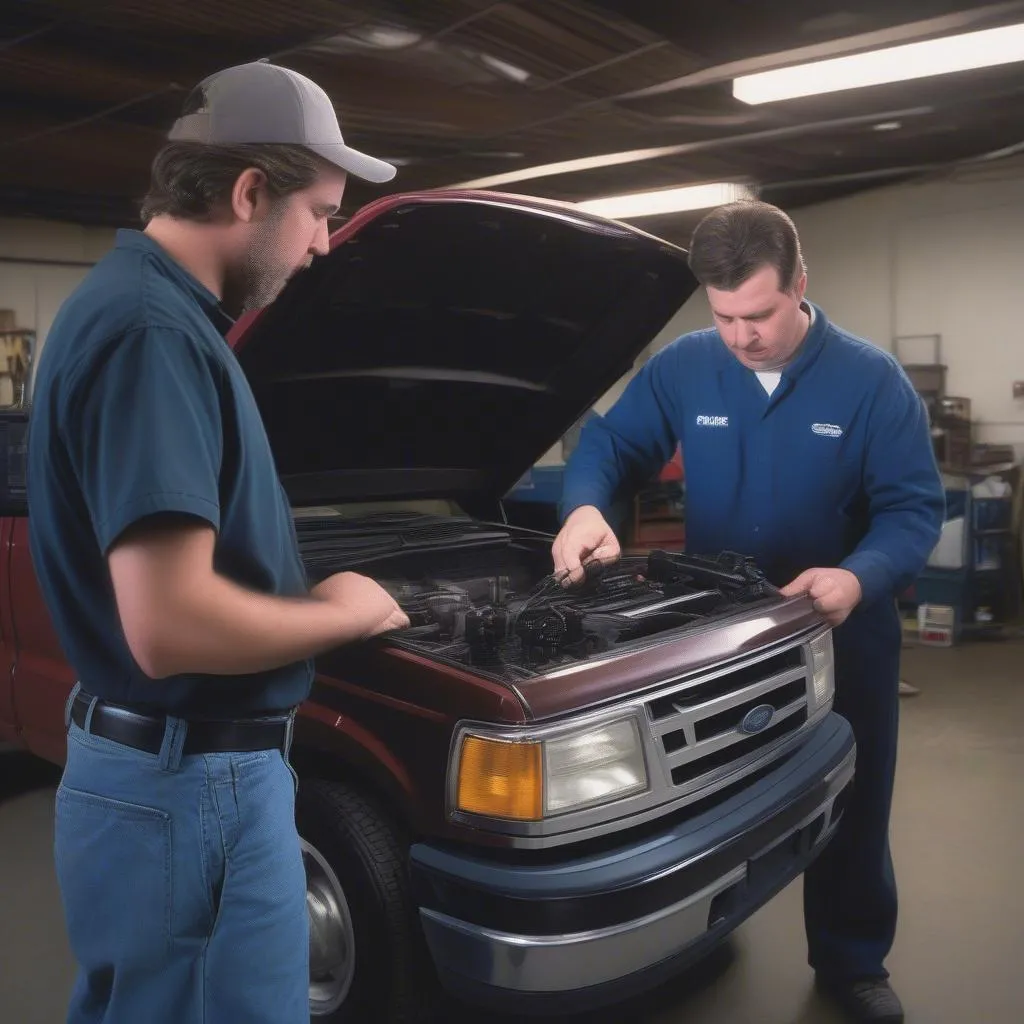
<point x="958" y="836"/>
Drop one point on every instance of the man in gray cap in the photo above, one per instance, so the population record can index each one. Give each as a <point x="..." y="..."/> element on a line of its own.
<point x="166" y="553"/>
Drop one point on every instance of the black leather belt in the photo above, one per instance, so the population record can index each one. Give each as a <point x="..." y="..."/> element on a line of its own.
<point x="146" y="732"/>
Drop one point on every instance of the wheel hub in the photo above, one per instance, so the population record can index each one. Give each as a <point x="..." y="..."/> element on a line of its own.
<point x="331" y="935"/>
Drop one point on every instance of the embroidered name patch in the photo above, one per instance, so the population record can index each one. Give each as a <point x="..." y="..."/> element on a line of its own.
<point x="827" y="429"/>
<point x="712" y="421"/>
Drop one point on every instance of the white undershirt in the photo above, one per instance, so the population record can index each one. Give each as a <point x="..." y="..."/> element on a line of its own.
<point x="770" y="378"/>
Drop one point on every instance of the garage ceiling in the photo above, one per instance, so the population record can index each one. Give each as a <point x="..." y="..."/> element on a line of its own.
<point x="456" y="90"/>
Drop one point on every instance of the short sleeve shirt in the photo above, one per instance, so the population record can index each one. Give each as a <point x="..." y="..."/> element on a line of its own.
<point x="140" y="408"/>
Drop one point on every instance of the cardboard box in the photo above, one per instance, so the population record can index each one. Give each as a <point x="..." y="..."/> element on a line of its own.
<point x="936" y="625"/>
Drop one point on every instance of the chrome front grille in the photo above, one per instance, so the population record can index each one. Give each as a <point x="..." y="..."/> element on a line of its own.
<point x="698" y="726"/>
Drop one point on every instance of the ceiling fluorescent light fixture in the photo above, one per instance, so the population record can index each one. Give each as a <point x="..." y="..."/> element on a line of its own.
<point x="584" y="163"/>
<point x="667" y="200"/>
<point x="966" y="52"/>
<point x="385" y="37"/>
<point x="502" y="67"/>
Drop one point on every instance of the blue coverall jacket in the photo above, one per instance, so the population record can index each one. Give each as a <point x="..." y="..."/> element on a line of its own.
<point x="835" y="468"/>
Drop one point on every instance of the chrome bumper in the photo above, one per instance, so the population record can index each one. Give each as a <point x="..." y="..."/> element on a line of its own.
<point x="481" y="962"/>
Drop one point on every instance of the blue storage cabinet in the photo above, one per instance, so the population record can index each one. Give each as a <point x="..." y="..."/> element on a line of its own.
<point x="540" y="485"/>
<point x="983" y="591"/>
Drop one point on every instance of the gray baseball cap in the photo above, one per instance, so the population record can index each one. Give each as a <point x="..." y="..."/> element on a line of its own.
<point x="262" y="103"/>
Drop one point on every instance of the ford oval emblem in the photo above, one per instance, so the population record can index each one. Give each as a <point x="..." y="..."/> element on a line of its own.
<point x="757" y="719"/>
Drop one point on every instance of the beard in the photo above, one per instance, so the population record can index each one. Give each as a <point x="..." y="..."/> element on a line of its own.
<point x="260" y="275"/>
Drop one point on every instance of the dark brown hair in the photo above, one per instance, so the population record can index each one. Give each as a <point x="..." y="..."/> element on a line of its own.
<point x="190" y="180"/>
<point x="736" y="240"/>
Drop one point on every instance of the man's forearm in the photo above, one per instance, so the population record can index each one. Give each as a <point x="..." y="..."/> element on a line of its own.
<point x="589" y="480"/>
<point x="223" y="629"/>
<point x="874" y="572"/>
<point x="633" y="440"/>
<point x="594" y="474"/>
<point x="894" y="552"/>
<point x="906" y="497"/>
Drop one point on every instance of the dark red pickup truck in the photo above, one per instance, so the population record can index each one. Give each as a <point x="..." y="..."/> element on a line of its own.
<point x="545" y="798"/>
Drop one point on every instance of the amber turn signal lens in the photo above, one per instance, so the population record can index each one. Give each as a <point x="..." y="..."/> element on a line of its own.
<point x="501" y="779"/>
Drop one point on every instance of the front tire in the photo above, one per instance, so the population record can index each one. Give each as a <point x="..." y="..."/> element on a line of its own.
<point x="368" y="961"/>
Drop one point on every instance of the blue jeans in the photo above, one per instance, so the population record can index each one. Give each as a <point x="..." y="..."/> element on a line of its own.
<point x="183" y="885"/>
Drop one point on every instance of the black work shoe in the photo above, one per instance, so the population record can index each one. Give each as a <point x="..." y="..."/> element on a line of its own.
<point x="865" y="999"/>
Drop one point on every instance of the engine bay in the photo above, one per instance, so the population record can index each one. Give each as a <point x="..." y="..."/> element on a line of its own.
<point x="476" y="596"/>
<point x="487" y="623"/>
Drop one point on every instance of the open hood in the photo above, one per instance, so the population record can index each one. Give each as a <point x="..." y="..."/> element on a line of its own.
<point x="448" y="340"/>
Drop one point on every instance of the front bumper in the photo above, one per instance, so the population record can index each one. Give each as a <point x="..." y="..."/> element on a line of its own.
<point x="579" y="932"/>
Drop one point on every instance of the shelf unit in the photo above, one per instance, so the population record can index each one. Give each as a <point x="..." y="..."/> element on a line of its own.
<point x="983" y="591"/>
<point x="17" y="351"/>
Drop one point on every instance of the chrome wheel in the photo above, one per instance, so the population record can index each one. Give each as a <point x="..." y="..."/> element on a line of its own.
<point x="332" y="949"/>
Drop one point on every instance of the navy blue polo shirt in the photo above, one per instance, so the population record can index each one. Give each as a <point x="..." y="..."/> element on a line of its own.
<point x="834" y="468"/>
<point x="140" y="408"/>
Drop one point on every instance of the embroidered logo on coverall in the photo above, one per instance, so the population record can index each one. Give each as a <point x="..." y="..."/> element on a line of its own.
<point x="827" y="429"/>
<point x="712" y="421"/>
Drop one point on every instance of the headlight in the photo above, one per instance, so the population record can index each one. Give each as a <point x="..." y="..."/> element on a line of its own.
<point x="593" y="767"/>
<point x="822" y="669"/>
<point x="541" y="776"/>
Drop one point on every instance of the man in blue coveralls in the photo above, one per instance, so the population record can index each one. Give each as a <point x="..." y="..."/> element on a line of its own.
<point x="167" y="555"/>
<point x="808" y="449"/>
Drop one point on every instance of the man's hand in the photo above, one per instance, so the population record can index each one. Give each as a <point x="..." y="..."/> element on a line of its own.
<point x="584" y="536"/>
<point x="179" y="616"/>
<point x="364" y="600"/>
<point x="835" y="592"/>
